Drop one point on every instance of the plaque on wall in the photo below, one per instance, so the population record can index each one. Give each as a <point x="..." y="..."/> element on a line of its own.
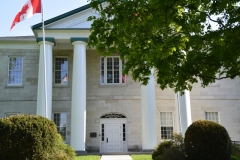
<point x="93" y="134"/>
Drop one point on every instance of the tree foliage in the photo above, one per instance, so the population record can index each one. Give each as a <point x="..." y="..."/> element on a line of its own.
<point x="186" y="41"/>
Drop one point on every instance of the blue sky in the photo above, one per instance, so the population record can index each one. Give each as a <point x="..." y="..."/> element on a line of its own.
<point x="52" y="8"/>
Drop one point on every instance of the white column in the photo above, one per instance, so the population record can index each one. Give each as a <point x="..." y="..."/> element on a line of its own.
<point x="184" y="111"/>
<point x="41" y="103"/>
<point x="78" y="112"/>
<point x="149" y="137"/>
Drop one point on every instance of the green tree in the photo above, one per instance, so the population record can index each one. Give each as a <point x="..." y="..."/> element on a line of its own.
<point x="186" y="41"/>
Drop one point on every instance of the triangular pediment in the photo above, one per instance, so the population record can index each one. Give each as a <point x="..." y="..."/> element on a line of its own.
<point x="78" y="20"/>
<point x="75" y="19"/>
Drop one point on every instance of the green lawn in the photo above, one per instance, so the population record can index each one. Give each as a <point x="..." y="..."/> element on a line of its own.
<point x="87" y="157"/>
<point x="141" y="156"/>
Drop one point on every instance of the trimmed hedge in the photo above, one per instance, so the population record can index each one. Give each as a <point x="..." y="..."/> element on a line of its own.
<point x="207" y="140"/>
<point x="29" y="137"/>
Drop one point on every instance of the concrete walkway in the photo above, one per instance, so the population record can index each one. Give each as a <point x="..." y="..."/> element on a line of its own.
<point x="116" y="157"/>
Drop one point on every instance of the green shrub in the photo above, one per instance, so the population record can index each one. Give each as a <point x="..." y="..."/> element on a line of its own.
<point x="236" y="152"/>
<point x="234" y="158"/>
<point x="207" y="140"/>
<point x="61" y="151"/>
<point x="170" y="150"/>
<point x="31" y="137"/>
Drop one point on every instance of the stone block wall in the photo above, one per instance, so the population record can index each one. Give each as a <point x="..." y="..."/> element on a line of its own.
<point x="22" y="98"/>
<point x="222" y="97"/>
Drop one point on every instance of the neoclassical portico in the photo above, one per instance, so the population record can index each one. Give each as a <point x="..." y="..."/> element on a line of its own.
<point x="78" y="100"/>
<point x="78" y="107"/>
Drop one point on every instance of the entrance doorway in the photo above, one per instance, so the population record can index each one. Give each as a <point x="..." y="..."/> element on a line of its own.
<point x="113" y="134"/>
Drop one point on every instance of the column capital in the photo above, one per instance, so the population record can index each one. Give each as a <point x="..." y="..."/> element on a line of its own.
<point x="47" y="39"/>
<point x="82" y="40"/>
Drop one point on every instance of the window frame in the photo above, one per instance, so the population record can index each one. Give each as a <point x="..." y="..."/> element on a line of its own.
<point x="59" y="123"/>
<point x="60" y="84"/>
<point x="166" y="125"/>
<point x="105" y="71"/>
<point x="10" y="114"/>
<point x="20" y="84"/>
<point x="218" y="117"/>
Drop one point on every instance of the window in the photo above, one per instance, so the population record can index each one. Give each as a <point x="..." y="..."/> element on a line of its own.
<point x="124" y="132"/>
<point x="15" y="71"/>
<point x="60" y="119"/>
<point x="111" y="70"/>
<point x="102" y="131"/>
<point x="212" y="116"/>
<point x="10" y="114"/>
<point x="61" y="70"/>
<point x="166" y="125"/>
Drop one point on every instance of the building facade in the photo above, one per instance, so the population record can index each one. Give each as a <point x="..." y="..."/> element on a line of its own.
<point x="95" y="106"/>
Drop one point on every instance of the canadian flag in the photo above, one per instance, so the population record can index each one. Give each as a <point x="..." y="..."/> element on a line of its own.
<point x="27" y="11"/>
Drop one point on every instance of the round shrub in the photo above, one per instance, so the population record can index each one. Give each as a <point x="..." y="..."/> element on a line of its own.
<point x="170" y="150"/>
<point x="28" y="137"/>
<point x="207" y="140"/>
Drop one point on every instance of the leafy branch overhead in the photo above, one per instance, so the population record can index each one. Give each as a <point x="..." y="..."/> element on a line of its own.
<point x="186" y="41"/>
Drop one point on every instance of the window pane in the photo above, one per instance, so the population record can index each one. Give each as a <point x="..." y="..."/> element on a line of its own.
<point x="15" y="70"/>
<point x="57" y="77"/>
<point x="15" y="77"/>
<point x="212" y="116"/>
<point x="102" y="132"/>
<point x="116" y="70"/>
<point x="123" y="76"/>
<point x="112" y="70"/>
<point x="116" y="63"/>
<point x="60" y="119"/>
<point x="102" y="70"/>
<point x="166" y="132"/>
<point x="15" y="63"/>
<point x="124" y="132"/>
<point x="61" y="70"/>
<point x="109" y="70"/>
<point x="109" y="77"/>
<point x="166" y="125"/>
<point x="116" y="76"/>
<point x="64" y="77"/>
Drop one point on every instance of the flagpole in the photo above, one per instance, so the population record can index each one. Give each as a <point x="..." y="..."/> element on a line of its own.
<point x="45" y="65"/>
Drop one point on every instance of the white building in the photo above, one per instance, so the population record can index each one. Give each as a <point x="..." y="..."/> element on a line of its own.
<point x="95" y="106"/>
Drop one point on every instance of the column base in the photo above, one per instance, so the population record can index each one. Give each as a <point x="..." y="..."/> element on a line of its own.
<point x="81" y="152"/>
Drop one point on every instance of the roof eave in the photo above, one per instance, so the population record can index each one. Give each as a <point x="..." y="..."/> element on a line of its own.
<point x="18" y="40"/>
<point x="62" y="16"/>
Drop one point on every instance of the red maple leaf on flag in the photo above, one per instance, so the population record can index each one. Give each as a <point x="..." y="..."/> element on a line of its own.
<point x="33" y="5"/>
<point x="24" y="10"/>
